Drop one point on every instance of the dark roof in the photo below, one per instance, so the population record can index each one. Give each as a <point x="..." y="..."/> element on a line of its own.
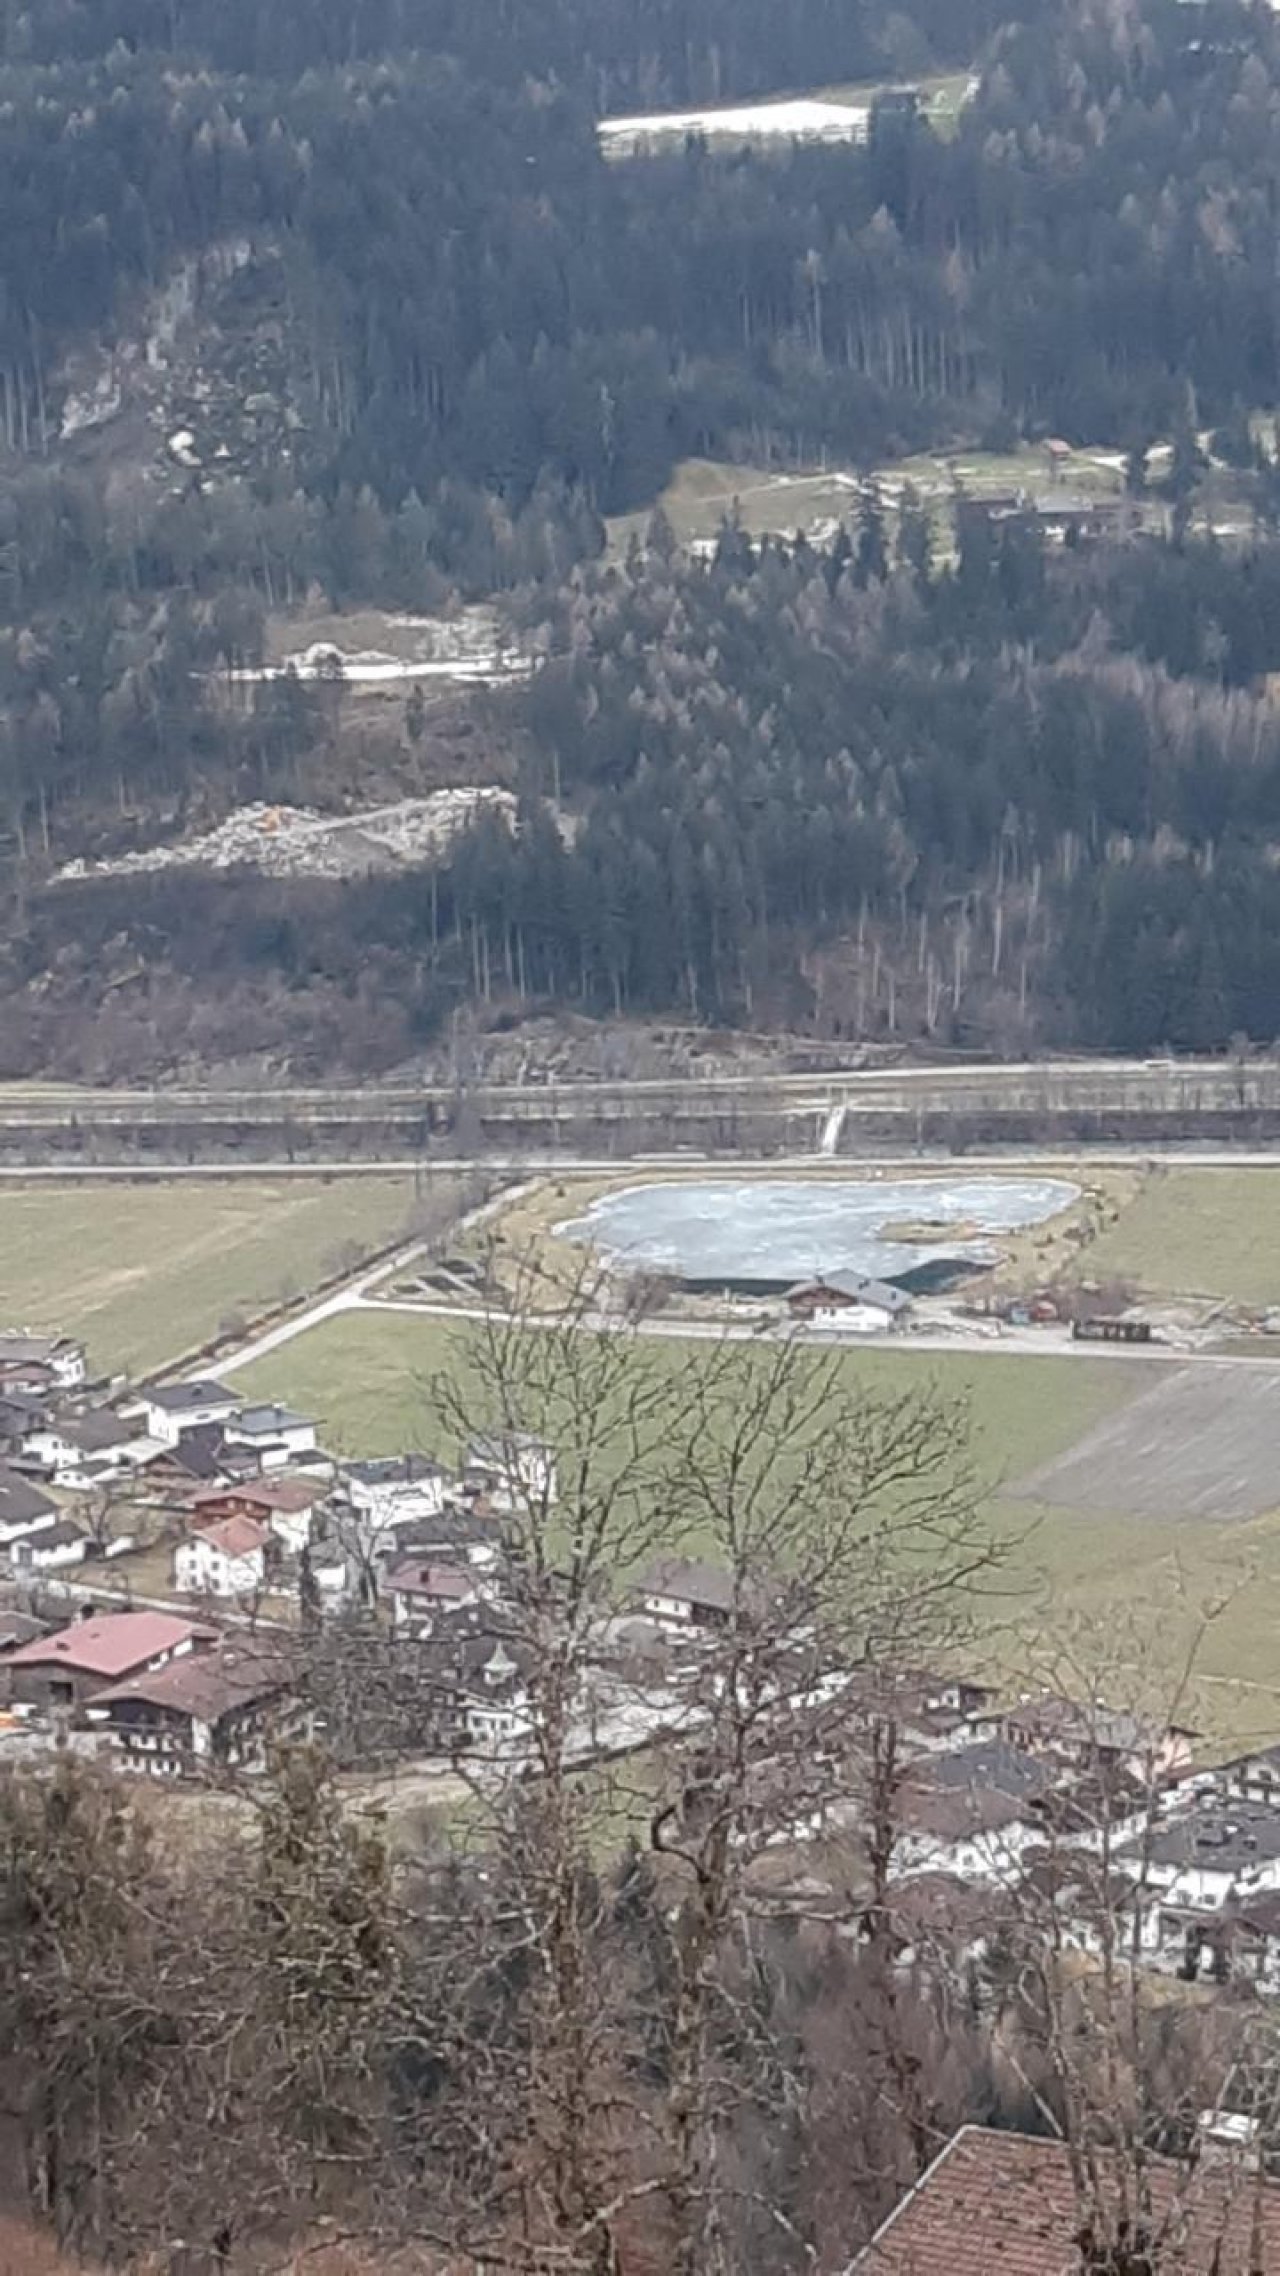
<point x="450" y="1529"/>
<point x="202" y="1452"/>
<point x="978" y="1789"/>
<point x="1218" y="1836"/>
<point x="394" y="1470"/>
<point x="57" y="1536"/>
<point x="206" y="1685"/>
<point x="21" y="1503"/>
<point x="96" y="1429"/>
<point x="180" y="1398"/>
<point x="19" y="1349"/>
<point x="691" y="1580"/>
<point x="1008" y="2202"/>
<point x="484" y="1666"/>
<point x="20" y="1628"/>
<point x="22" y="1411"/>
<point x="857" y="1288"/>
<point x="262" y="1422"/>
<point x="993" y="1764"/>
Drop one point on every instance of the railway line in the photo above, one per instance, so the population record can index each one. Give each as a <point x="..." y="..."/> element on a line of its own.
<point x="832" y="1113"/>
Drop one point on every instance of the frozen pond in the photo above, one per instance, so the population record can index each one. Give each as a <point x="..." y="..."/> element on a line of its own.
<point x="789" y="1230"/>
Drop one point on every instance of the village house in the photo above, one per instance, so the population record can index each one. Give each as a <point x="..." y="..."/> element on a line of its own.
<point x="849" y="1303"/>
<point x="929" y="1713"/>
<point x="216" y="1710"/>
<point x="21" y="1412"/>
<point x="1090" y="1734"/>
<point x="201" y="1457"/>
<point x="404" y="1489"/>
<point x="971" y="1813"/>
<point x="455" y="1536"/>
<point x="287" y="1506"/>
<point x="57" y="1361"/>
<point x="1009" y="2201"/>
<point x="18" y="1628"/>
<point x="477" y="1675"/>
<point x="276" y="1435"/>
<point x="689" y="1595"/>
<point x="1252" y="1777"/>
<point x="418" y="1589"/>
<point x="233" y="1557"/>
<point x="69" y="1667"/>
<point x="23" y="1508"/>
<point x="170" y="1410"/>
<point x="63" y="1543"/>
<point x="67" y="1447"/>
<point x="1212" y="1859"/>
<point x="510" y="1469"/>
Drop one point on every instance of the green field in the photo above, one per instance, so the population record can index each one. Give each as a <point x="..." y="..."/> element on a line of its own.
<point x="147" y="1272"/>
<point x="1198" y="1232"/>
<point x="1079" y="1589"/>
<point x="368" y="1374"/>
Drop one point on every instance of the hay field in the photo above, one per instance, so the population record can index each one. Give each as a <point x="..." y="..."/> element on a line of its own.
<point x="147" y="1272"/>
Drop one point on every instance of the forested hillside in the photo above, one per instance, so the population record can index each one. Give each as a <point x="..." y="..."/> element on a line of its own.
<point x="421" y="339"/>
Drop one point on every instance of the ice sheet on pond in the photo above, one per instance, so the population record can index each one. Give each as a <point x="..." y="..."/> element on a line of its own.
<point x="789" y="1230"/>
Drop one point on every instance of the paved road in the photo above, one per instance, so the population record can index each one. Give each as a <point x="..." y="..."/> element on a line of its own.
<point x="622" y="1166"/>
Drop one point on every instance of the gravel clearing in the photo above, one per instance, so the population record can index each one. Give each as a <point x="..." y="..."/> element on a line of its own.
<point x="293" y="841"/>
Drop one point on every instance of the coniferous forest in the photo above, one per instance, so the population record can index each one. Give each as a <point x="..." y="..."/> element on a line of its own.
<point x="996" y="792"/>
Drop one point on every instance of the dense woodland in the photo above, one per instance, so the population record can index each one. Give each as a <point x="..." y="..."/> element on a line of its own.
<point x="429" y="338"/>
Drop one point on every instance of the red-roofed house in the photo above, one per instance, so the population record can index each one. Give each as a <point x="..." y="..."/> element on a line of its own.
<point x="1007" y="2202"/>
<point x="67" y="1668"/>
<point x="231" y="1557"/>
<point x="419" y="1587"/>
<point x="286" y="1505"/>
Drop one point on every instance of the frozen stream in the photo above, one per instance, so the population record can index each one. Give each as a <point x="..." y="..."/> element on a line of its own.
<point x="788" y="1230"/>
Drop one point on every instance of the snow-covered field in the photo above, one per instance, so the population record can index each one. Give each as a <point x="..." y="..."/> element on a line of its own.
<point x="368" y="667"/>
<point x="294" y="841"/>
<point x="806" y="119"/>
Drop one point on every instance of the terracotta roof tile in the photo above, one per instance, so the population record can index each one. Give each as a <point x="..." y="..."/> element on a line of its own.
<point x="112" y="1644"/>
<point x="1006" y="2201"/>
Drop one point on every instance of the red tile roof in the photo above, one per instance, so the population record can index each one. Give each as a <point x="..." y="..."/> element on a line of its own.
<point x="235" y="1536"/>
<point x="288" y="1494"/>
<point x="111" y="1645"/>
<point x="1006" y="2201"/>
<point x="207" y="1685"/>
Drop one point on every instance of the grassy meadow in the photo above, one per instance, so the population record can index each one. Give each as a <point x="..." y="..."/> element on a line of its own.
<point x="144" y="1273"/>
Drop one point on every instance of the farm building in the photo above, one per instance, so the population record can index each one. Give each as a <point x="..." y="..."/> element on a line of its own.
<point x="850" y="1303"/>
<point x="216" y="1710"/>
<point x="66" y="1669"/>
